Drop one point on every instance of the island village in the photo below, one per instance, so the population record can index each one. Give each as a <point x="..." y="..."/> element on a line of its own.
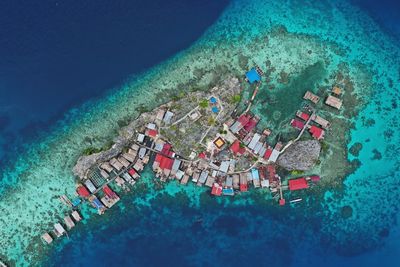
<point x="204" y="139"/>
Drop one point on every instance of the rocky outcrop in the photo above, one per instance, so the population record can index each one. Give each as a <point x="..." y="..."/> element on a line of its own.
<point x="84" y="163"/>
<point x="302" y="155"/>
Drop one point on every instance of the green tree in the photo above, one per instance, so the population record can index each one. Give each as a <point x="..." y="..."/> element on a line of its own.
<point x="236" y="99"/>
<point x="211" y="121"/>
<point x="203" y="103"/>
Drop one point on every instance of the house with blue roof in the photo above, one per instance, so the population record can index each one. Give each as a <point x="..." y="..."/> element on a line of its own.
<point x="253" y="76"/>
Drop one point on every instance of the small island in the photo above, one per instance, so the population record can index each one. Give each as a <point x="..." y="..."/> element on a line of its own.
<point x="210" y="138"/>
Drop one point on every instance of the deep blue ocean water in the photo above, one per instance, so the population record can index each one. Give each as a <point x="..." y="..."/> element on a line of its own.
<point x="55" y="55"/>
<point x="66" y="55"/>
<point x="385" y="12"/>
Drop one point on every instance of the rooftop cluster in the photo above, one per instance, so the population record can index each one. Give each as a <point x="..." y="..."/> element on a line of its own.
<point x="208" y="143"/>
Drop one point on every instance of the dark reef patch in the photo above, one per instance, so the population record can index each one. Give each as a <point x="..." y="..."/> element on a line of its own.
<point x="346" y="212"/>
<point x="377" y="154"/>
<point x="285" y="100"/>
<point x="355" y="149"/>
<point x="228" y="224"/>
<point x="369" y="122"/>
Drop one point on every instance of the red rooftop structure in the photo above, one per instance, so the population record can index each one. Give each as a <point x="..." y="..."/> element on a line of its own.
<point x="107" y="190"/>
<point x="82" y="191"/>
<point x="250" y="125"/>
<point x="202" y="155"/>
<point x="237" y="149"/>
<point x="267" y="153"/>
<point x="243" y="188"/>
<point x="152" y="133"/>
<point x="298" y="184"/>
<point x="244" y="119"/>
<point x="216" y="190"/>
<point x="163" y="158"/>
<point x="166" y="163"/>
<point x="317" y="132"/>
<point x="132" y="171"/>
<point x="167" y="150"/>
<point x="315" y="178"/>
<point x="297" y="124"/>
<point x="302" y="115"/>
<point x="282" y="202"/>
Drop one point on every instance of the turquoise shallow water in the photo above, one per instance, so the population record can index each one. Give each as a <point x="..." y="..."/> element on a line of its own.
<point x="336" y="32"/>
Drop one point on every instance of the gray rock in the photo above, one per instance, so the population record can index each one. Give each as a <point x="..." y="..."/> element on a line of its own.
<point x="302" y="155"/>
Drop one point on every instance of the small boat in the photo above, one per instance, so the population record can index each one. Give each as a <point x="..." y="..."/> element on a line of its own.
<point x="296" y="200"/>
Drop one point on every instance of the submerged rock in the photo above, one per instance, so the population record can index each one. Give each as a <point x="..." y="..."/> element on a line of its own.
<point x="377" y="154"/>
<point x="355" y="149"/>
<point x="302" y="155"/>
<point x="346" y="212"/>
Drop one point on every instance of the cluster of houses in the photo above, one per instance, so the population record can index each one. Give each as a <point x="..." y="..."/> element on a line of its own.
<point x="123" y="170"/>
<point x="315" y="124"/>
<point x="239" y="140"/>
<point x="333" y="98"/>
<point x="245" y="139"/>
<point x="59" y="229"/>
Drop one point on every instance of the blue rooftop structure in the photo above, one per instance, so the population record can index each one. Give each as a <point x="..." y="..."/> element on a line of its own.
<point x="97" y="203"/>
<point x="213" y="100"/>
<point x="253" y="76"/>
<point x="254" y="173"/>
<point x="228" y="191"/>
<point x="76" y="202"/>
<point x="215" y="109"/>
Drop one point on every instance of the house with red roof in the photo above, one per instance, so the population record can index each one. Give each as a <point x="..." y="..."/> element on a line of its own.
<point x="243" y="182"/>
<point x="302" y="115"/>
<point x="82" y="191"/>
<point x="216" y="189"/>
<point x="107" y="190"/>
<point x="297" y="124"/>
<point x="317" y="132"/>
<point x="132" y="172"/>
<point x="249" y="126"/>
<point x="298" y="184"/>
<point x="315" y="178"/>
<point x="268" y="153"/>
<point x="240" y="123"/>
<point x="166" y="163"/>
<point x="164" y="160"/>
<point x="202" y="155"/>
<point x="151" y="132"/>
<point x="237" y="149"/>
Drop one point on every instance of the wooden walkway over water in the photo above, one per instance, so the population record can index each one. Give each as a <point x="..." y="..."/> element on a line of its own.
<point x="291" y="142"/>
